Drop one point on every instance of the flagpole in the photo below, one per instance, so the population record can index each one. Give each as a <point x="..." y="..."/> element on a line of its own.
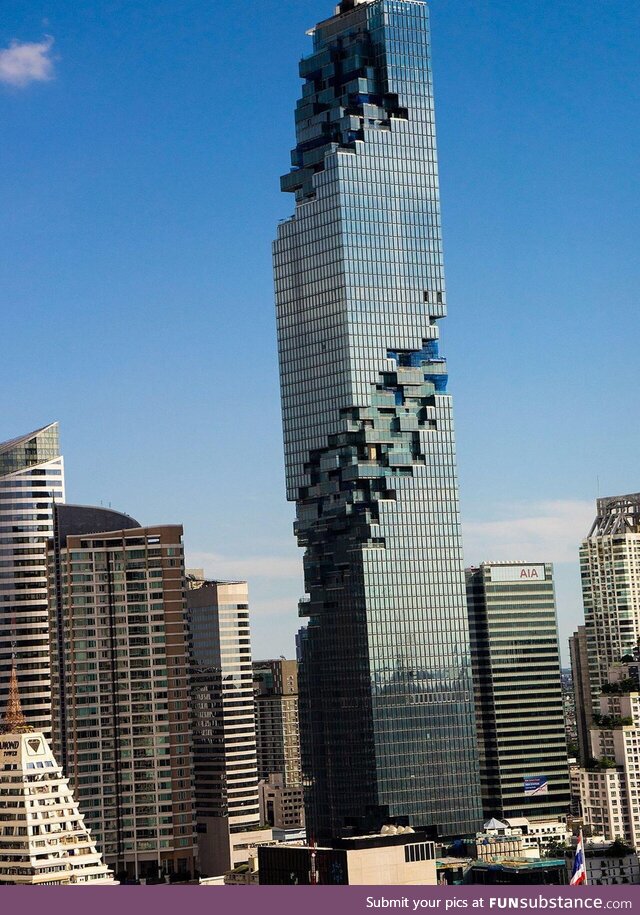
<point x="579" y="873"/>
<point x="586" y="876"/>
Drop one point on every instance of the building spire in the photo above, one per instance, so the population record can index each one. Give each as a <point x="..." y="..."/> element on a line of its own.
<point x="14" y="720"/>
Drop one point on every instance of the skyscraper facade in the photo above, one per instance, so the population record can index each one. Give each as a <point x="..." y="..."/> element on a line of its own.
<point x="524" y="768"/>
<point x="224" y="726"/>
<point x="609" y="784"/>
<point x="275" y="684"/>
<point x="121" y="703"/>
<point x="610" y="569"/>
<point x="385" y="688"/>
<point x="581" y="691"/>
<point x="31" y="481"/>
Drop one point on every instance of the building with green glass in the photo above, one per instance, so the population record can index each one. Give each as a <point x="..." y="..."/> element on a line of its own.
<point x="386" y="703"/>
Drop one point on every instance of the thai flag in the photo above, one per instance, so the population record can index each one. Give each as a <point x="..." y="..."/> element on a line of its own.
<point x="579" y="874"/>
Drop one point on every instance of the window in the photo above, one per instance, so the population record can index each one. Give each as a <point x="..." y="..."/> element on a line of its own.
<point x="421" y="851"/>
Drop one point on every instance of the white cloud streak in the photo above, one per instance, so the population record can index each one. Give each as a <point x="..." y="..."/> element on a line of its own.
<point x="23" y="63"/>
<point x="540" y="531"/>
<point x="245" y="568"/>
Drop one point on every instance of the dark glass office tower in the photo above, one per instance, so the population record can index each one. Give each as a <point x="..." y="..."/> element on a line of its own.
<point x="516" y="671"/>
<point x="386" y="690"/>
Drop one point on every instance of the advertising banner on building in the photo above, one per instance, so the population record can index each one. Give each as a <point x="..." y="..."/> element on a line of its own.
<point x="535" y="785"/>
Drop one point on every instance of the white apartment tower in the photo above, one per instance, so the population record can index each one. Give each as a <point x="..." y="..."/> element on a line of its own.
<point x="610" y="568"/>
<point x="31" y="480"/>
<point x="609" y="786"/>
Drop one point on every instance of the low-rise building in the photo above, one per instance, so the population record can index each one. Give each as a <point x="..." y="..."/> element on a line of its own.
<point x="281" y="806"/>
<point x="610" y="863"/>
<point x="496" y="841"/>
<point x="244" y="874"/>
<point x="519" y="872"/>
<point x="541" y="836"/>
<point x="452" y="871"/>
<point x="397" y="857"/>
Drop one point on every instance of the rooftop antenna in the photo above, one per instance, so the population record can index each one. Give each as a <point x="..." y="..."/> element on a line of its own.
<point x="14" y="720"/>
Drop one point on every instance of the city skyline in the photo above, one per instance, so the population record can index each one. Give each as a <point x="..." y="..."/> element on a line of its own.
<point x="514" y="495"/>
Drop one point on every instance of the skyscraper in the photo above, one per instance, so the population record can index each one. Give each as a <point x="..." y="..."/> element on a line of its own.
<point x="275" y="684"/>
<point x="31" y="480"/>
<point x="516" y="670"/>
<point x="224" y="726"/>
<point x="609" y="783"/>
<point x="121" y="703"/>
<point x="385" y="688"/>
<point x="581" y="691"/>
<point x="610" y="569"/>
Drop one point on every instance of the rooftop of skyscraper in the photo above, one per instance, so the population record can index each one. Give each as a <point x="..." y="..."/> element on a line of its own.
<point x="617" y="515"/>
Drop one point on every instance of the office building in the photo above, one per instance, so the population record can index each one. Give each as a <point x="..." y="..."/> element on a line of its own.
<point x="581" y="691"/>
<point x="121" y="687"/>
<point x="281" y="805"/>
<point x="31" y="480"/>
<point x="386" y="701"/>
<point x="519" y="709"/>
<point x="224" y="727"/>
<point x="275" y="684"/>
<point x="43" y="839"/>
<point x="394" y="858"/>
<point x="610" y="569"/>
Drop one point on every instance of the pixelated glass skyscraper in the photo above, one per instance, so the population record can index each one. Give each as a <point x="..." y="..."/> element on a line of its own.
<point x="387" y="719"/>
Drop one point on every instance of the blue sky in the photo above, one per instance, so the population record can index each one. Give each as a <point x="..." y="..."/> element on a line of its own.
<point x="142" y="142"/>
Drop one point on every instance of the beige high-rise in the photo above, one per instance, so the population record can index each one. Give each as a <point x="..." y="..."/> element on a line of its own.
<point x="226" y="775"/>
<point x="121" y="697"/>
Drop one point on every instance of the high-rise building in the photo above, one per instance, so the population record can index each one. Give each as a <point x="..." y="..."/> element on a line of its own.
<point x="277" y="720"/>
<point x="31" y="480"/>
<point x="224" y="727"/>
<point x="385" y="682"/>
<point x="121" y="686"/>
<point x="610" y="569"/>
<point x="581" y="691"/>
<point x="609" y="784"/>
<point x="43" y="839"/>
<point x="524" y="768"/>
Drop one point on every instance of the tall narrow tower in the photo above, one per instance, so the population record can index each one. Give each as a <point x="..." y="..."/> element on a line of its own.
<point x="610" y="569"/>
<point x="31" y="480"/>
<point x="386" y="697"/>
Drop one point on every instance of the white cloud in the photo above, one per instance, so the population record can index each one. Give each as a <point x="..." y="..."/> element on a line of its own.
<point x="248" y="567"/>
<point x="550" y="531"/>
<point x="26" y="62"/>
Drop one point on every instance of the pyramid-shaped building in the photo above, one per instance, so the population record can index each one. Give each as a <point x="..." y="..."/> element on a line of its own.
<point x="43" y="839"/>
